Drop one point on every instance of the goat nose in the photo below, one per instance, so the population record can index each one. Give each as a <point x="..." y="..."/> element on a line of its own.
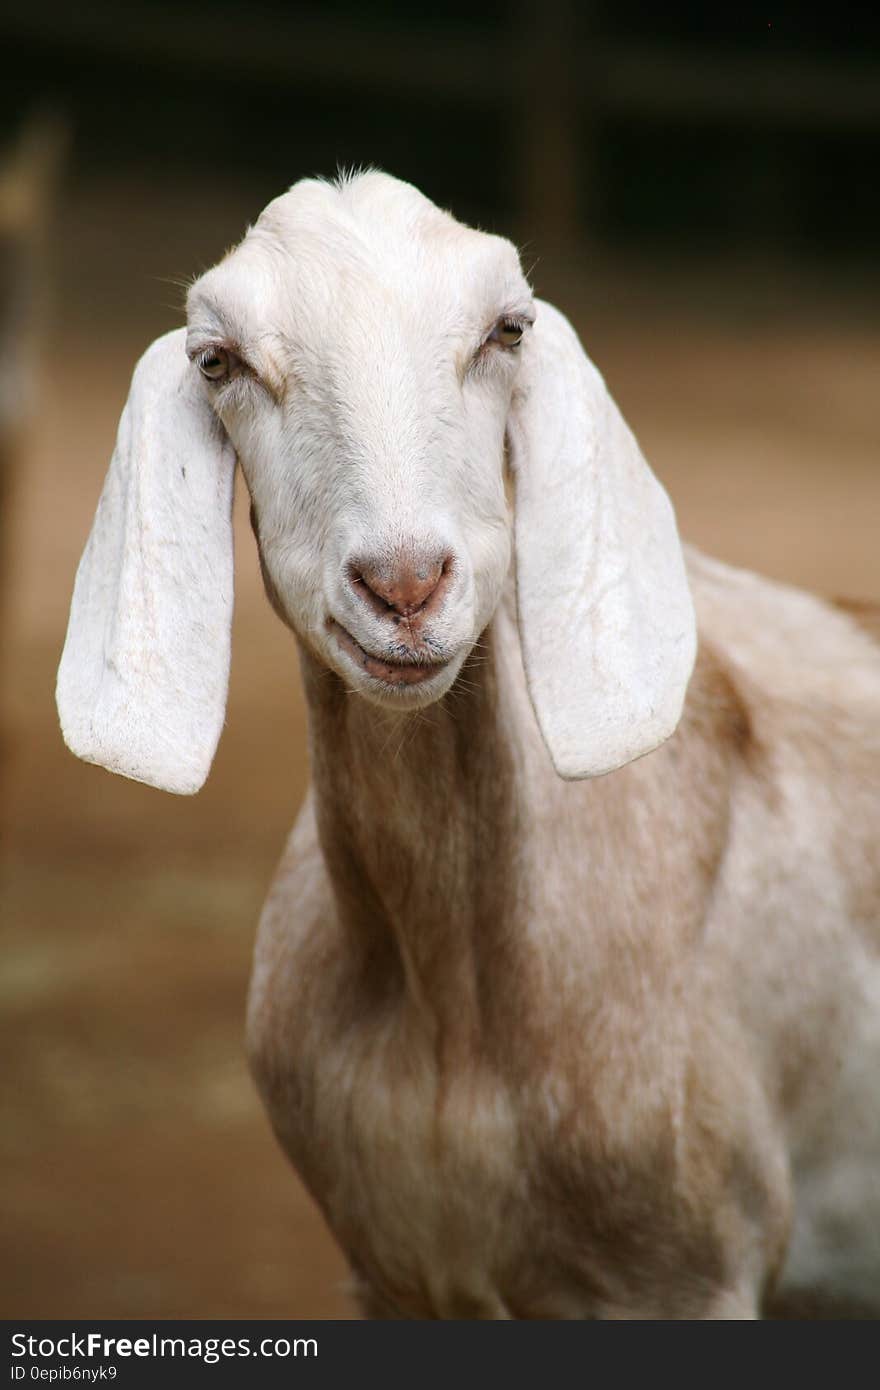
<point x="405" y="586"/>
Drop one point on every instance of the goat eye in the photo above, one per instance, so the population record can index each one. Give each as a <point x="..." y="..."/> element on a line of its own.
<point x="507" y="333"/>
<point x="217" y="363"/>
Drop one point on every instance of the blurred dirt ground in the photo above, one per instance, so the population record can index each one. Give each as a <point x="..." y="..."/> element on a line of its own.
<point x="139" y="1175"/>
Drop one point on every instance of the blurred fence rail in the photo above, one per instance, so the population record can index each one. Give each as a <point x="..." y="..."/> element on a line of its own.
<point x="554" y="79"/>
<point x="30" y="169"/>
<point x="469" y="65"/>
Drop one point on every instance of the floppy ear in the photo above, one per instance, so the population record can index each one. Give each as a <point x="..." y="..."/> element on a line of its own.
<point x="606" y="620"/>
<point x="143" y="677"/>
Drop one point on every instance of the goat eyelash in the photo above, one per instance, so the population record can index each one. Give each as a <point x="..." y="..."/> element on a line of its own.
<point x="509" y="323"/>
<point x="217" y="351"/>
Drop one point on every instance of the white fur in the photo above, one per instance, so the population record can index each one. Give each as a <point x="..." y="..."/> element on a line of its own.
<point x="482" y="994"/>
<point x="606" y="618"/>
<point x="143" y="677"/>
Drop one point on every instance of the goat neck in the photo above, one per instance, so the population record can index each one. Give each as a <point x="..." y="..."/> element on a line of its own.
<point x="417" y="814"/>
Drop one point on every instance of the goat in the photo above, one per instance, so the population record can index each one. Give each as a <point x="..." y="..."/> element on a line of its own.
<point x="566" y="996"/>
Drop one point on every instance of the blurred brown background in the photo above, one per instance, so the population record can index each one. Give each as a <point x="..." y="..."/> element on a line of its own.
<point x="696" y="188"/>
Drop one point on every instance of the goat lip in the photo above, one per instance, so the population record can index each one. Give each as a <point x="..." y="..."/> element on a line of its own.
<point x="395" y="673"/>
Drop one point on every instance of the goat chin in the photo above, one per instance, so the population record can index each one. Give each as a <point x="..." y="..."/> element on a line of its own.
<point x="565" y="996"/>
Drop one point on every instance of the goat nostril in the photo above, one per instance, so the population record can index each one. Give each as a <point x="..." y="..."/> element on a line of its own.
<point x="402" y="588"/>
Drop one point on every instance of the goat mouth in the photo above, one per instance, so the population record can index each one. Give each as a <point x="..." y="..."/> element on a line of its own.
<point x="394" y="671"/>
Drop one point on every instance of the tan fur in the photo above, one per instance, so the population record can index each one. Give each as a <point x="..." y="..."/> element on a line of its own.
<point x="545" y="1049"/>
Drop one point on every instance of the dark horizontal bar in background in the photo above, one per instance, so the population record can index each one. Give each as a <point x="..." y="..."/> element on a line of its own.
<point x="467" y="66"/>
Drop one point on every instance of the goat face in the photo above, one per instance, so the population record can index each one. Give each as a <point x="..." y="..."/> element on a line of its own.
<point x="361" y="348"/>
<point x="372" y="363"/>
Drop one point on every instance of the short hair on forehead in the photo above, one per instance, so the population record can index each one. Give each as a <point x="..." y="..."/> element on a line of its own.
<point x="368" y="229"/>
<point x="352" y="215"/>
